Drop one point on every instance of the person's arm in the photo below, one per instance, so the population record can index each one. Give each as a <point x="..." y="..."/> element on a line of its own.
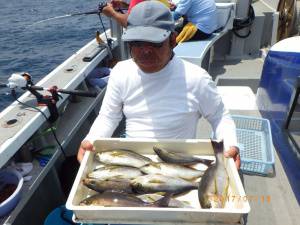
<point x="119" y="17"/>
<point x="213" y="109"/>
<point x="176" y="15"/>
<point x="84" y="146"/>
<point x="181" y="9"/>
<point x="183" y="6"/>
<point x="109" y="116"/>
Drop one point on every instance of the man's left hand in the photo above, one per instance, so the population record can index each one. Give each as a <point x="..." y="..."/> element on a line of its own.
<point x="109" y="10"/>
<point x="234" y="153"/>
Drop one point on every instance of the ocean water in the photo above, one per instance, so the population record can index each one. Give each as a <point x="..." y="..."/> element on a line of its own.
<point x="37" y="48"/>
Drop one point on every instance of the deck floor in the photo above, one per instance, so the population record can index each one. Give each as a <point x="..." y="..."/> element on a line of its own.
<point x="246" y="72"/>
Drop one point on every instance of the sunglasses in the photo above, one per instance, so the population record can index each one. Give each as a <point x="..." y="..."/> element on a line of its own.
<point x="144" y="43"/>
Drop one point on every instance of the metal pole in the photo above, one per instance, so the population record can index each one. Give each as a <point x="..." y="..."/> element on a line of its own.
<point x="116" y="32"/>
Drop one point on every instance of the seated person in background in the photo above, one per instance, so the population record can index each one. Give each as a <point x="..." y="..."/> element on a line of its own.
<point x="200" y="19"/>
<point x="98" y="78"/>
<point x="111" y="10"/>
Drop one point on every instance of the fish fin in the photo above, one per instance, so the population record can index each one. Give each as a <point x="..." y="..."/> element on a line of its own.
<point x="156" y="181"/>
<point x="184" y="178"/>
<point x="110" y="168"/>
<point x="225" y="193"/>
<point x="195" y="185"/>
<point x="151" y="198"/>
<point x="216" y="186"/>
<point x="157" y="150"/>
<point x="118" y="176"/>
<point x="156" y="165"/>
<point x="117" y="153"/>
<point x="206" y="162"/>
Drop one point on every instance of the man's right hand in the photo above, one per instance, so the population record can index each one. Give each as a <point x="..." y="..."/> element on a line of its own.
<point x="84" y="146"/>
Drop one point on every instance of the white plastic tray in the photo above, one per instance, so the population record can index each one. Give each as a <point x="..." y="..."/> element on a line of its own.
<point x="235" y="207"/>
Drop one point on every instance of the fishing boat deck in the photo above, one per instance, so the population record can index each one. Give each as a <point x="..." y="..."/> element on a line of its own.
<point x="233" y="72"/>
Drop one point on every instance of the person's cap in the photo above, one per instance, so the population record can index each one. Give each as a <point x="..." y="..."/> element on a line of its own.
<point x="149" y="21"/>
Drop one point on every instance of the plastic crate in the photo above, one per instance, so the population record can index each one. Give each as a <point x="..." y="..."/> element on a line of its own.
<point x="255" y="142"/>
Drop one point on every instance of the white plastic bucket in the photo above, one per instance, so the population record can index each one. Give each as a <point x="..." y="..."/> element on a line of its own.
<point x="10" y="176"/>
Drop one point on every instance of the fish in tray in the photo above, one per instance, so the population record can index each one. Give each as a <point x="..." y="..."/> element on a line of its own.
<point x="120" y="185"/>
<point x="122" y="157"/>
<point x="111" y="171"/>
<point x="159" y="183"/>
<point x="172" y="170"/>
<point x="180" y="158"/>
<point x="121" y="199"/>
<point x="174" y="203"/>
<point x="213" y="187"/>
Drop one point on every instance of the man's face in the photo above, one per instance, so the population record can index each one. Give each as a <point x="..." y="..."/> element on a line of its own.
<point x="152" y="57"/>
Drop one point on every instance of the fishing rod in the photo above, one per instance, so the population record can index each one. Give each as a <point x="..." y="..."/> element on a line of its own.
<point x="24" y="81"/>
<point x="98" y="11"/>
<point x="101" y="5"/>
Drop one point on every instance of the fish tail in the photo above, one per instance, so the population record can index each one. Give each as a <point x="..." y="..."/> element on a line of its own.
<point x="195" y="185"/>
<point x="164" y="201"/>
<point x="218" y="146"/>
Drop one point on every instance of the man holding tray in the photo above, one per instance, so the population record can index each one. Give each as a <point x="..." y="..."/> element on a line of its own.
<point x="161" y="95"/>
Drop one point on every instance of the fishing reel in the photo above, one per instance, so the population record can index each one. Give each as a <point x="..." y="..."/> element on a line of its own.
<point x="101" y="5"/>
<point x="24" y="81"/>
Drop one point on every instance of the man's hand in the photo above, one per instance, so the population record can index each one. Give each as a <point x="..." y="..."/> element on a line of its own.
<point x="172" y="5"/>
<point x="84" y="146"/>
<point x="234" y="153"/>
<point x="109" y="10"/>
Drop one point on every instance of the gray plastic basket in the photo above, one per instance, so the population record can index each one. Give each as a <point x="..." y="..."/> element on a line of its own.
<point x="255" y="142"/>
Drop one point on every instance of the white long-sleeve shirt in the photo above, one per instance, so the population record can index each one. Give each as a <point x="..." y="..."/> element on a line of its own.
<point x="162" y="105"/>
